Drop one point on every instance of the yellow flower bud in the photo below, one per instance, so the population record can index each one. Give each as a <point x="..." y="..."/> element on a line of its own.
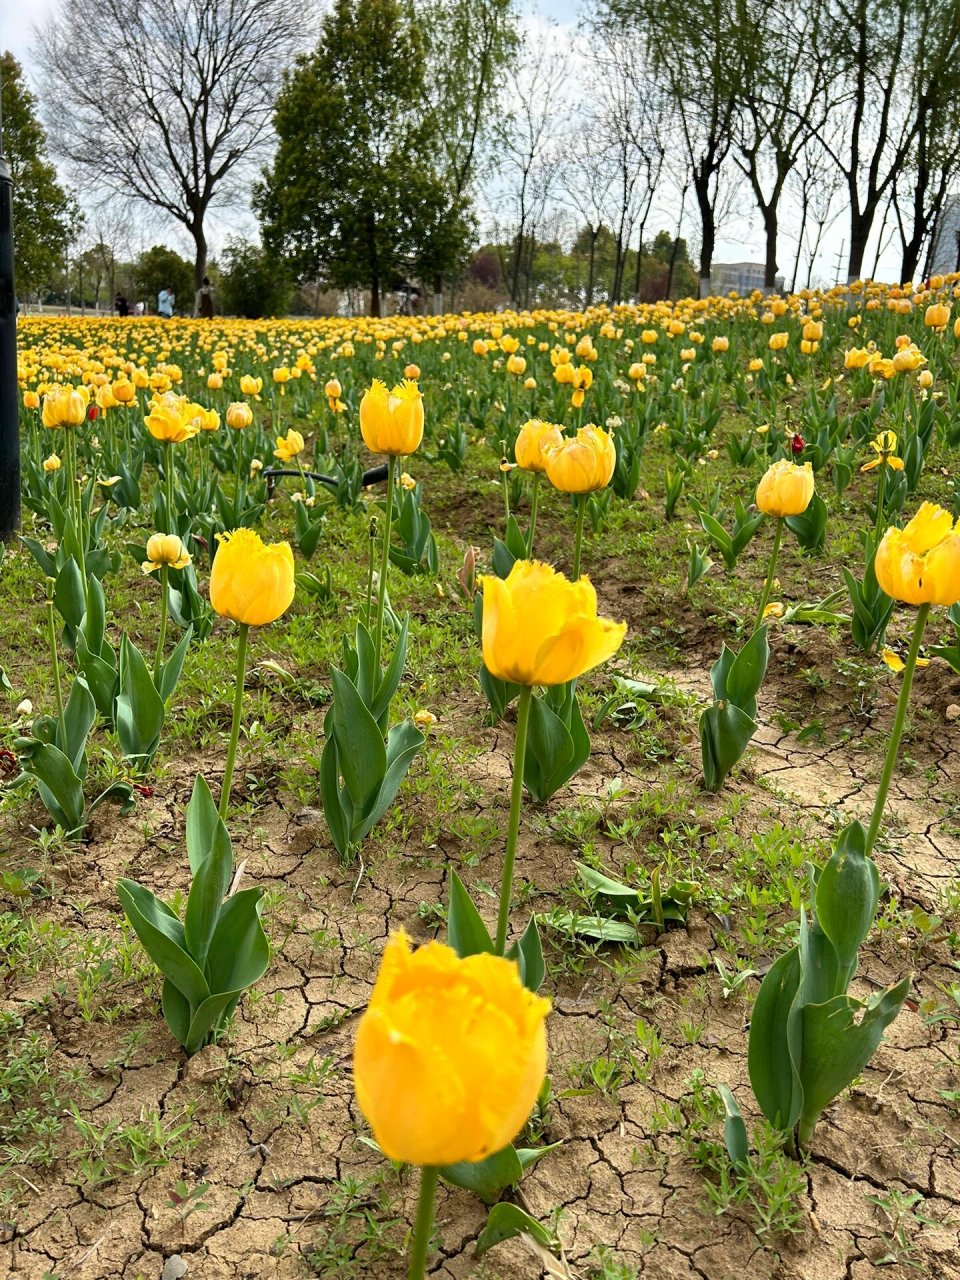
<point x="391" y="422"/>
<point x="584" y="463"/>
<point x="785" y="489"/>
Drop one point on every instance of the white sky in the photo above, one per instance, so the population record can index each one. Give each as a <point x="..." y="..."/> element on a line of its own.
<point x="741" y="239"/>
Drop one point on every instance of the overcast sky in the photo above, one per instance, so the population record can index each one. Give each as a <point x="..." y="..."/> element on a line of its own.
<point x="740" y="240"/>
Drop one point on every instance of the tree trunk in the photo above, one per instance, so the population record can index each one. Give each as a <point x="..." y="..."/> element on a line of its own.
<point x="591" y="266"/>
<point x="200" y="253"/>
<point x="770" y="261"/>
<point x="804" y="210"/>
<point x="708" y="221"/>
<point x="375" y="296"/>
<point x="437" y="295"/>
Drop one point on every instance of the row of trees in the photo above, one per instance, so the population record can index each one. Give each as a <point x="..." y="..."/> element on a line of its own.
<point x="413" y="124"/>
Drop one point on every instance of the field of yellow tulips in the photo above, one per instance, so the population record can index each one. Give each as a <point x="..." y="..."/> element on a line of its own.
<point x="479" y="795"/>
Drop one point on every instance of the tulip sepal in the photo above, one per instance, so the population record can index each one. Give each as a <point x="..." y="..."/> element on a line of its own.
<point x="729" y="723"/>
<point x="219" y="949"/>
<point x="809" y="1039"/>
<point x="363" y="766"/>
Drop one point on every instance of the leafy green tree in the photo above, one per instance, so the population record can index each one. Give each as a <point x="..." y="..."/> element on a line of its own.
<point x="252" y="281"/>
<point x="355" y="194"/>
<point x="159" y="268"/>
<point x="45" y="217"/>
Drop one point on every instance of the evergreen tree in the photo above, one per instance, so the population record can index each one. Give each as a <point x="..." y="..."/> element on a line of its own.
<point x="45" y="217"/>
<point x="354" y="195"/>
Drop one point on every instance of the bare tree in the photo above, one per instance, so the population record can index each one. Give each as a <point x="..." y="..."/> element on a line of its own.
<point x="528" y="147"/>
<point x="168" y="102"/>
<point x="587" y="183"/>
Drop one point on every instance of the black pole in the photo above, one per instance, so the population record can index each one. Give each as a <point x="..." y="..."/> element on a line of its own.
<point x="9" y="390"/>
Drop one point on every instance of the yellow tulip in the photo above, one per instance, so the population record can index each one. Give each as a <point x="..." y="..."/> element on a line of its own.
<point x="333" y="389"/>
<point x="925" y="379"/>
<point x="52" y="463"/>
<point x="778" y="341"/>
<point x="252" y="582"/>
<point x="541" y="629"/>
<point x="239" y="415"/>
<point x="251" y="386"/>
<point x="908" y="358"/>
<point x="214" y="381"/>
<point x="516" y="365"/>
<point x="65" y="407"/>
<point x="450" y="1054"/>
<point x="391" y="422"/>
<point x="812" y="330"/>
<point x="532" y="438"/>
<point x="786" y="489"/>
<point x="720" y="344"/>
<point x="172" y="418"/>
<point x="289" y="446"/>
<point x="412" y="371"/>
<point x="937" y="316"/>
<point x="31" y="400"/>
<point x="920" y="564"/>
<point x="584" y="463"/>
<point x="165" y="549"/>
<point x="480" y="348"/>
<point x="124" y="392"/>
<point x="856" y="358"/>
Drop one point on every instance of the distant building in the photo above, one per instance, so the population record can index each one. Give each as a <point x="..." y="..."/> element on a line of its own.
<point x="945" y="254"/>
<point x="740" y="277"/>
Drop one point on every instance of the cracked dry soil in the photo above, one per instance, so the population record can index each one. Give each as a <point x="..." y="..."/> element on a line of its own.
<point x="275" y="1129"/>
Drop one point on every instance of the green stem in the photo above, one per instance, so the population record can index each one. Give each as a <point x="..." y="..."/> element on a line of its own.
<point x="384" y="563"/>
<point x="881" y="486"/>
<point x="774" y="556"/>
<point x="75" y="505"/>
<point x="513" y="829"/>
<point x="578" y="536"/>
<point x="424" y="1225"/>
<point x="237" y="710"/>
<point x="506" y="498"/>
<point x="168" y="488"/>
<point x="158" y="660"/>
<point x="371" y="559"/>
<point x="54" y="656"/>
<point x="898" y="722"/>
<point x="534" y="499"/>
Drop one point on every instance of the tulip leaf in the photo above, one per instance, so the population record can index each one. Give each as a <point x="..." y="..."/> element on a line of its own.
<point x="211" y="880"/>
<point x="78" y="717"/>
<point x="176" y="1011"/>
<point x="810" y="527"/>
<point x="172" y="669"/>
<point x="202" y="823"/>
<point x="403" y="745"/>
<point x="836" y="1047"/>
<point x="239" y="951"/>
<point x="848" y="893"/>
<point x="93" y="626"/>
<point x="734" y="1130"/>
<point x="725" y="733"/>
<point x="558" y="744"/>
<point x="339" y="821"/>
<point x="139" y="708"/>
<point x="68" y="594"/>
<point x="528" y="954"/>
<point x="60" y="789"/>
<point x="100" y="672"/>
<point x="361" y="751"/>
<point x="821" y="976"/>
<point x="775" y="1043"/>
<point x="161" y="935"/>
<point x="508" y="1220"/>
<point x="466" y="932"/>
<point x="488" y="1178"/>
<point x="746" y="672"/>
<point x="210" y="1015"/>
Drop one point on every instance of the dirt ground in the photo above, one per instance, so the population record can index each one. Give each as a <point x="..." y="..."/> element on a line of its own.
<point x="267" y="1122"/>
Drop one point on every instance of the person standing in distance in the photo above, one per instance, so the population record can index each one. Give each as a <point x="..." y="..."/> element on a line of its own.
<point x="165" y="303"/>
<point x="204" y="301"/>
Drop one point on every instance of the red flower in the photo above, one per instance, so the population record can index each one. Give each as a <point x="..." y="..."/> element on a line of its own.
<point x="146" y="792"/>
<point x="797" y="446"/>
<point x="92" y="413"/>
